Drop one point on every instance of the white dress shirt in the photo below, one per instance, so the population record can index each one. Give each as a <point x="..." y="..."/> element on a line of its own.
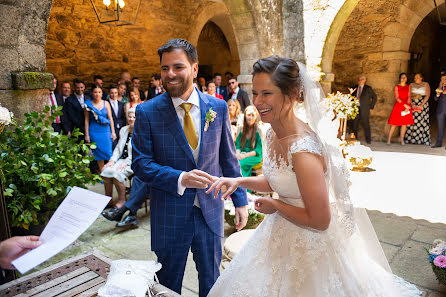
<point x="80" y="99"/>
<point x="234" y="95"/>
<point x="196" y="118"/>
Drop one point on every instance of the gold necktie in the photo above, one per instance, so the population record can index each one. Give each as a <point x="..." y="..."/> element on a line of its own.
<point x="189" y="127"/>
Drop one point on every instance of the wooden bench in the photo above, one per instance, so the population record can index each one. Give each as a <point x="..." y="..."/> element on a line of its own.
<point x="79" y="276"/>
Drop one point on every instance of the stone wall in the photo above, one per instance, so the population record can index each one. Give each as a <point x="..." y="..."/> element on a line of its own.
<point x="22" y="38"/>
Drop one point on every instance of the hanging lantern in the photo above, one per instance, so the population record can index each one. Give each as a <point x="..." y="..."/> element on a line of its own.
<point x="116" y="12"/>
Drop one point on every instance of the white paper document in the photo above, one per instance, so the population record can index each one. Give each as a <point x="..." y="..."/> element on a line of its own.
<point x="72" y="218"/>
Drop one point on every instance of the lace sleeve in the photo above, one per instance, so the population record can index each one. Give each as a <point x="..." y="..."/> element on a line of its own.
<point x="306" y="144"/>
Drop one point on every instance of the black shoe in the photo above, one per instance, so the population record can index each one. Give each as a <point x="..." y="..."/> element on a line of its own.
<point x="114" y="214"/>
<point x="435" y="145"/>
<point x="128" y="221"/>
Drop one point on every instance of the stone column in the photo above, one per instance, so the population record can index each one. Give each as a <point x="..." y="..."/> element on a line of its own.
<point x="245" y="82"/>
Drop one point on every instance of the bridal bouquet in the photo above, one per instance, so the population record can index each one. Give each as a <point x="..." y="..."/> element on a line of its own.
<point x="437" y="258"/>
<point x="343" y="105"/>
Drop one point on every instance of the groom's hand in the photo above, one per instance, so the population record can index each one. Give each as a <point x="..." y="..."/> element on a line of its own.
<point x="197" y="179"/>
<point x="241" y="217"/>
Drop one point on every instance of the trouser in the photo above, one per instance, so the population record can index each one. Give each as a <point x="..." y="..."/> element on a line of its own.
<point x="207" y="253"/>
<point x="441" y="119"/>
<point x="362" y="117"/>
<point x="138" y="194"/>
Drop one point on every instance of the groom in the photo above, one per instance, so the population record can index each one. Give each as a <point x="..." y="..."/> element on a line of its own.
<point x="178" y="149"/>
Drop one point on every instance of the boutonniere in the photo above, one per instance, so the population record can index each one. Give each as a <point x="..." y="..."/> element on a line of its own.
<point x="210" y="117"/>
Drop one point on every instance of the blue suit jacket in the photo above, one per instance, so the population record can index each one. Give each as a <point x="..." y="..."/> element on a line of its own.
<point x="161" y="153"/>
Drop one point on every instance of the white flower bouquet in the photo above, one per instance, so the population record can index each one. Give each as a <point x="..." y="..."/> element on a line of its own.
<point x="343" y="105"/>
<point x="5" y="117"/>
<point x="254" y="217"/>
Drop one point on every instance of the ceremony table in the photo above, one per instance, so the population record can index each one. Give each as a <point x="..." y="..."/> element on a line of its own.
<point x="79" y="276"/>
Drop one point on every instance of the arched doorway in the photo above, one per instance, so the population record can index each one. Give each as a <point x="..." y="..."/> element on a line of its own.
<point x="212" y="60"/>
<point x="373" y="40"/>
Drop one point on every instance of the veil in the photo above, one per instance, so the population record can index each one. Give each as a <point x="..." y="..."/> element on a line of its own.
<point x="316" y="113"/>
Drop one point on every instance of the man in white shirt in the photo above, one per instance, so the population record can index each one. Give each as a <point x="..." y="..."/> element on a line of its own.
<point x="238" y="94"/>
<point x="54" y="103"/>
<point x="118" y="113"/>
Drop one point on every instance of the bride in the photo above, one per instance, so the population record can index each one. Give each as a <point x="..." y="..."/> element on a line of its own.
<point x="311" y="244"/>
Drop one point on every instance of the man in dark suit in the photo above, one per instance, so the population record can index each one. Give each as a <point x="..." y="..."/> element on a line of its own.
<point x="177" y="157"/>
<point x="238" y="94"/>
<point x="155" y="86"/>
<point x="56" y="100"/>
<point x="441" y="110"/>
<point x="367" y="100"/>
<point x="136" y="84"/>
<point x="66" y="91"/>
<point x="74" y="109"/>
<point x="118" y="114"/>
<point x="221" y="90"/>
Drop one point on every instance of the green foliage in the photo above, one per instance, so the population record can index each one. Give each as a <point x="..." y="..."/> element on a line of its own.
<point x="40" y="166"/>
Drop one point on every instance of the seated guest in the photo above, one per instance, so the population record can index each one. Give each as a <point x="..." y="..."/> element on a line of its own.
<point x="138" y="194"/>
<point x="134" y="99"/>
<point x="239" y="94"/>
<point x="156" y="87"/>
<point x="117" y="170"/>
<point x="122" y="91"/>
<point x="136" y="84"/>
<point x="249" y="143"/>
<point x="210" y="86"/>
<point x="99" y="127"/>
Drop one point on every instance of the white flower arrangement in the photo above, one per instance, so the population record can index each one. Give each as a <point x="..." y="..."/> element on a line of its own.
<point x="343" y="105"/>
<point x="6" y="117"/>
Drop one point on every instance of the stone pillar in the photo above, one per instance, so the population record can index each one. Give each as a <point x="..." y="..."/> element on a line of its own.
<point x="245" y="83"/>
<point x="326" y="80"/>
<point x="23" y="86"/>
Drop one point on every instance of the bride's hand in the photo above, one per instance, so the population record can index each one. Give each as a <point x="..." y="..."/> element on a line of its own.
<point x="231" y="184"/>
<point x="265" y="205"/>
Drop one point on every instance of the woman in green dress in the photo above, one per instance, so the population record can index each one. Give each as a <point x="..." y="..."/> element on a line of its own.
<point x="249" y="143"/>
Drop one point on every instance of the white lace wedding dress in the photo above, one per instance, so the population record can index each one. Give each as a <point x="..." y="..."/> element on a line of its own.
<point x="283" y="259"/>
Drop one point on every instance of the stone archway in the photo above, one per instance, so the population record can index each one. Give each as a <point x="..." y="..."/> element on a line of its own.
<point x="373" y="39"/>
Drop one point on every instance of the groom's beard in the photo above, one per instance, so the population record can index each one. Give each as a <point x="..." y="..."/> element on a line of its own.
<point x="179" y="89"/>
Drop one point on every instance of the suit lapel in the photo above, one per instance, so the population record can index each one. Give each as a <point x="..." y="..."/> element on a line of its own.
<point x="173" y="124"/>
<point x="204" y="107"/>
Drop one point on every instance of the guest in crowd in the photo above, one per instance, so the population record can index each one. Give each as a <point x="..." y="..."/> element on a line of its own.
<point x="55" y="101"/>
<point x="441" y="110"/>
<point x="156" y="86"/>
<point x="117" y="107"/>
<point x="134" y="99"/>
<point x="74" y="109"/>
<point x="14" y="247"/>
<point x="249" y="143"/>
<point x="239" y="94"/>
<point x="401" y="113"/>
<point x="211" y="90"/>
<point x="418" y="133"/>
<point x="117" y="170"/>
<point x="125" y="77"/>
<point x="221" y="90"/>
<point x="99" y="127"/>
<point x="98" y="81"/>
<point x="136" y="84"/>
<point x="122" y="91"/>
<point x="138" y="194"/>
<point x="66" y="91"/>
<point x="201" y="84"/>
<point x="367" y="100"/>
<point x="228" y="76"/>
<point x="235" y="117"/>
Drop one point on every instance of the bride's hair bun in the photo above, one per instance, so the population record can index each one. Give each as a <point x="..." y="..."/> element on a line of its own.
<point x="284" y="73"/>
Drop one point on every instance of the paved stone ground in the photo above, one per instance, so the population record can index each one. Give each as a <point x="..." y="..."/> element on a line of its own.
<point x="402" y="238"/>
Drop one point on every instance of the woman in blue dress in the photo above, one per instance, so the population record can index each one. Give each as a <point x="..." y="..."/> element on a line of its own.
<point x="99" y="127"/>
